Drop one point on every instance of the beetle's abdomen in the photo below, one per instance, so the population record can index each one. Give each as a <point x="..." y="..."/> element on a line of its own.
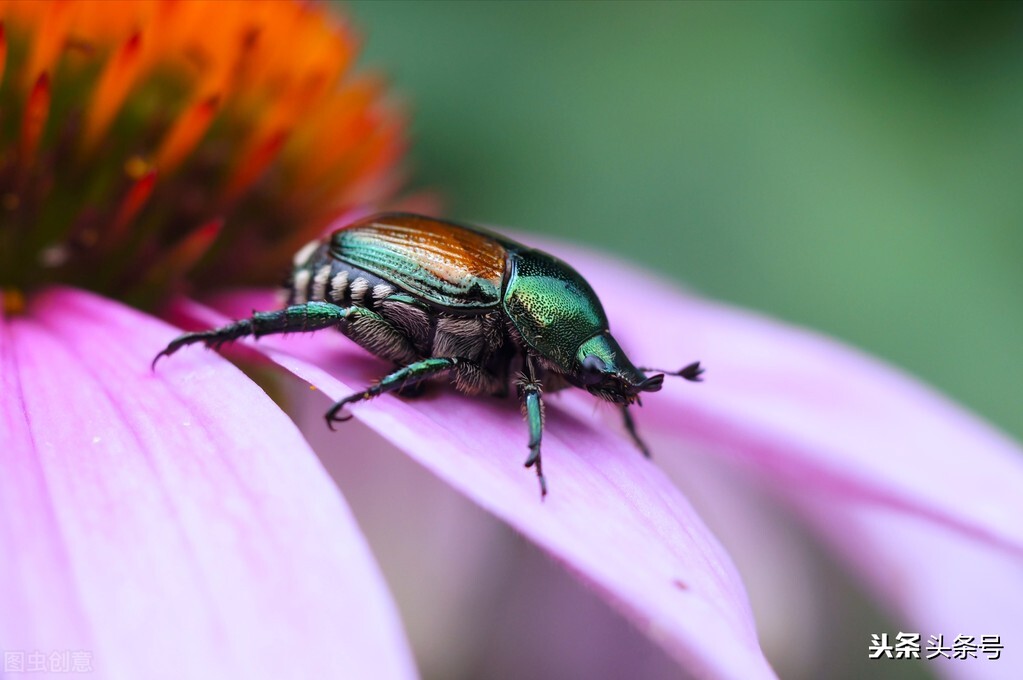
<point x="319" y="277"/>
<point x="441" y="263"/>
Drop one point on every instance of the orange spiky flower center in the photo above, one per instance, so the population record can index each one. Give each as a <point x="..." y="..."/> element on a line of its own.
<point x="155" y="147"/>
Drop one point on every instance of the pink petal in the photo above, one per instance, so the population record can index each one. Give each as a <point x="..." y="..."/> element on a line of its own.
<point x="611" y="516"/>
<point x="172" y="524"/>
<point x="496" y="605"/>
<point x="917" y="496"/>
<point x="933" y="580"/>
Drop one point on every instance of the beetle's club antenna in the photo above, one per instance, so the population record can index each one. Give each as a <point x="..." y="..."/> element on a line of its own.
<point x="692" y="372"/>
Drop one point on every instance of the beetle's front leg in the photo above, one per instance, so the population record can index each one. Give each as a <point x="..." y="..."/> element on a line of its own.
<point x="630" y="426"/>
<point x="532" y="407"/>
<point x="312" y="316"/>
<point x="405" y="376"/>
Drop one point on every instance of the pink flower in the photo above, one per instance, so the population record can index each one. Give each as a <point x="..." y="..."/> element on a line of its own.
<point x="177" y="524"/>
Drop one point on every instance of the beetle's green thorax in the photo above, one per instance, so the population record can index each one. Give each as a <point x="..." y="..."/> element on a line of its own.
<point x="552" y="307"/>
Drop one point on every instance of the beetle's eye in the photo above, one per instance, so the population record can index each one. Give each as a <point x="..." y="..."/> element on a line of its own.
<point x="593" y="368"/>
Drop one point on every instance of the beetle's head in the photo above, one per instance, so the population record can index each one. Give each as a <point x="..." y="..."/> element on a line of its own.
<point x="559" y="317"/>
<point x="604" y="370"/>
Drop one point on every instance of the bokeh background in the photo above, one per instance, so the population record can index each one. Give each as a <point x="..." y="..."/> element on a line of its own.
<point x="853" y="168"/>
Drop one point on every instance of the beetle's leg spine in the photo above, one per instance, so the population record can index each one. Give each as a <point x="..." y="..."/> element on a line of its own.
<point x="311" y="316"/>
<point x="407" y="375"/>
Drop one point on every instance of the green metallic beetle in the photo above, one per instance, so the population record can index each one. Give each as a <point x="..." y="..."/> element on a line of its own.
<point x="437" y="297"/>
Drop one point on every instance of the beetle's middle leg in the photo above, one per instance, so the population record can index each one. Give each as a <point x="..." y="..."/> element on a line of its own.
<point x="312" y="316"/>
<point x="532" y="407"/>
<point x="403" y="377"/>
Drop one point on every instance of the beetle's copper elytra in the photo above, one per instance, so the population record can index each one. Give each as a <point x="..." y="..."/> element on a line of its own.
<point x="437" y="297"/>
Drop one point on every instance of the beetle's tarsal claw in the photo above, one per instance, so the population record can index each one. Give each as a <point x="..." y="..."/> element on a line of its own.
<point x="163" y="353"/>
<point x="171" y="348"/>
<point x="331" y="419"/>
<point x="332" y="416"/>
<point x="692" y="372"/>
<point x="534" y="461"/>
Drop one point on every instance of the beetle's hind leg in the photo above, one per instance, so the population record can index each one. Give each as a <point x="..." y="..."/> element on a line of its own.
<point x="630" y="427"/>
<point x="406" y="376"/>
<point x="312" y="316"/>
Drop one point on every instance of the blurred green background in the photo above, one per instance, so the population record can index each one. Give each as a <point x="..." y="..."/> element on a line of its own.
<point x="854" y="168"/>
